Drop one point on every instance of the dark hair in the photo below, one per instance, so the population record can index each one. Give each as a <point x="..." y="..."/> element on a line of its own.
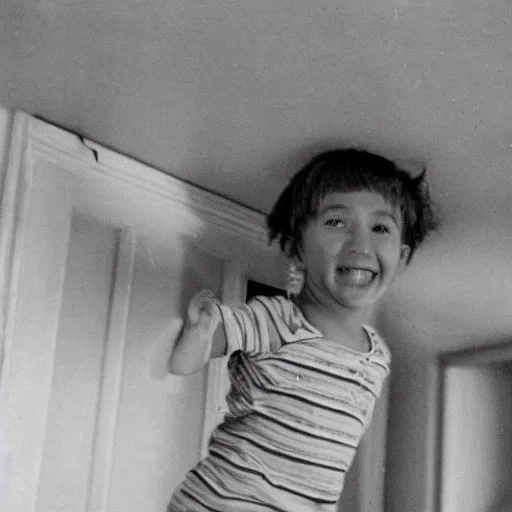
<point x="349" y="170"/>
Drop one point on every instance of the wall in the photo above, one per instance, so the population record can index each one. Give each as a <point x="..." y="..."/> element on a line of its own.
<point x="411" y="410"/>
<point x="415" y="340"/>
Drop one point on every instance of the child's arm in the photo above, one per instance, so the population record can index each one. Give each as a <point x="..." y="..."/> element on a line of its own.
<point x="201" y="338"/>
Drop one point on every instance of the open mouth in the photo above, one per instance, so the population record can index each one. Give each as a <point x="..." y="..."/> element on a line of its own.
<point x="356" y="276"/>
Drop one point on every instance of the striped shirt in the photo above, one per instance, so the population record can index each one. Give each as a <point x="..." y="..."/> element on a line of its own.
<point x="298" y="406"/>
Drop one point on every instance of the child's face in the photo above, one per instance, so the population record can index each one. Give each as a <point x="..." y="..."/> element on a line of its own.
<point x="352" y="249"/>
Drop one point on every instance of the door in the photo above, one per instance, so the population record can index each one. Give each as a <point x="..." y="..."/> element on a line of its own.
<point x="103" y="255"/>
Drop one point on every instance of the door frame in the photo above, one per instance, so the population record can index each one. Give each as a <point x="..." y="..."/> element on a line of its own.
<point x="486" y="354"/>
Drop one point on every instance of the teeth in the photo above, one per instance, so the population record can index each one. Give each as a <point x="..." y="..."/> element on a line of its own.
<point x="356" y="275"/>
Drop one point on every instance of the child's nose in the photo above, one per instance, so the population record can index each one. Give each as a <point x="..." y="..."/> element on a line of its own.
<point x="359" y="242"/>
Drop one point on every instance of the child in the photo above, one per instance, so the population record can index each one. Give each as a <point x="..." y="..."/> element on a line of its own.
<point x="305" y="371"/>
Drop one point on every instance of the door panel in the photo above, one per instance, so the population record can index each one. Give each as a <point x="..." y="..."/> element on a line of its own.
<point x="33" y="329"/>
<point x="77" y="366"/>
<point x="160" y="415"/>
<point x="96" y="423"/>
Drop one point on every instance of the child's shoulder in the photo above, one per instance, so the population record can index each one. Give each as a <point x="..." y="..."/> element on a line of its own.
<point x="275" y="303"/>
<point x="277" y="308"/>
<point x="286" y="317"/>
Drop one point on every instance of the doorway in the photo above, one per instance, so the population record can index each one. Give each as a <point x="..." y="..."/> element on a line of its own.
<point x="475" y="431"/>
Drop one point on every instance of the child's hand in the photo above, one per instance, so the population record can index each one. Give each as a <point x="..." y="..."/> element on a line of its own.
<point x="194" y="346"/>
<point x="202" y="311"/>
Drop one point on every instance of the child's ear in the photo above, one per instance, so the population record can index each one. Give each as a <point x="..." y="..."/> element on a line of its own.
<point x="292" y="251"/>
<point x="405" y="251"/>
<point x="289" y="246"/>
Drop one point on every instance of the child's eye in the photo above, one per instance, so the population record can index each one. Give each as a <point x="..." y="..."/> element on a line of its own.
<point x="334" y="223"/>
<point x="381" y="228"/>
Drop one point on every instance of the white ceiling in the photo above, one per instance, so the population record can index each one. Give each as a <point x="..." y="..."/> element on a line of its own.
<point x="234" y="95"/>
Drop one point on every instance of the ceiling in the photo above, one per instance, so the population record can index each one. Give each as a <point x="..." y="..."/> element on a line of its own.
<point x="234" y="95"/>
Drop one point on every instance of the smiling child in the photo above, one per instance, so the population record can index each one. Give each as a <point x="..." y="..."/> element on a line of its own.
<point x="305" y="370"/>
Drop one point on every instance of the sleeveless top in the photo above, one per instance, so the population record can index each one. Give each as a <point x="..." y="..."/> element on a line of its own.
<point x="296" y="415"/>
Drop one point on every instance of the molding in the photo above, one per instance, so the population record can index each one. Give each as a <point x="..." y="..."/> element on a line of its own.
<point x="12" y="219"/>
<point x="63" y="145"/>
<point x="434" y="437"/>
<point x="110" y="390"/>
<point x="483" y="355"/>
<point x="232" y="290"/>
<point x="6" y="124"/>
